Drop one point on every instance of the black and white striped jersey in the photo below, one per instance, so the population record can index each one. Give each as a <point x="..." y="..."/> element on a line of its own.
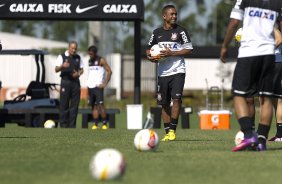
<point x="259" y="18"/>
<point x="175" y="39"/>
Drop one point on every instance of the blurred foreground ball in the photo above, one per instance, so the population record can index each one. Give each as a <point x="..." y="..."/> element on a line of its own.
<point x="107" y="164"/>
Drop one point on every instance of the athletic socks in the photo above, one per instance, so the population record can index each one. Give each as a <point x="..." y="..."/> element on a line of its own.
<point x="173" y="124"/>
<point x="279" y="130"/>
<point x="263" y="131"/>
<point x="247" y="128"/>
<point x="166" y="127"/>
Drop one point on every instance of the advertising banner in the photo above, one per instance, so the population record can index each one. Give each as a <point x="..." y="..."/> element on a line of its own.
<point x="72" y="9"/>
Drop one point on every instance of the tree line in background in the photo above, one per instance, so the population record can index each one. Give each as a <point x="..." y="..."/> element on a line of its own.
<point x="205" y="29"/>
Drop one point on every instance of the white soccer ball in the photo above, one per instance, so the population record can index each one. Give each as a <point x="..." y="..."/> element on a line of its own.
<point x="49" y="124"/>
<point x="146" y="140"/>
<point x="239" y="137"/>
<point x="238" y="35"/>
<point x="155" y="51"/>
<point x="107" y="164"/>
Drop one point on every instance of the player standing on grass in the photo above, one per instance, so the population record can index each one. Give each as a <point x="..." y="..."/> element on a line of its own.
<point x="278" y="85"/>
<point x="254" y="66"/>
<point x="70" y="65"/>
<point x="171" y="69"/>
<point x="96" y="83"/>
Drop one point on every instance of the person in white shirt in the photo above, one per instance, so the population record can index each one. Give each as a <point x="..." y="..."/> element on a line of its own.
<point x="99" y="75"/>
<point x="70" y="65"/>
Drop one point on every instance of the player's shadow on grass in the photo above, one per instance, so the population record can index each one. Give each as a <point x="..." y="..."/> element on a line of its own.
<point x="14" y="137"/>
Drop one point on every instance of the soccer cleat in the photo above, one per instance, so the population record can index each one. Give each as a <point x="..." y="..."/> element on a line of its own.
<point x="95" y="127"/>
<point x="172" y="135"/>
<point x="261" y="147"/>
<point x="247" y="143"/>
<point x="166" y="138"/>
<point x="104" y="127"/>
<point x="275" y="139"/>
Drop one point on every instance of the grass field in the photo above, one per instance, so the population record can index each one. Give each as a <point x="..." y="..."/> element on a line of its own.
<point x="61" y="156"/>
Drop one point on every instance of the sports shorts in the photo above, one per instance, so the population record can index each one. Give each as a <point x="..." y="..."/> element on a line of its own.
<point x="170" y="87"/>
<point x="96" y="96"/>
<point x="253" y="75"/>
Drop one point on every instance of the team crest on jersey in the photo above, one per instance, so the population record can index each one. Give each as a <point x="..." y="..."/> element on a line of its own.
<point x="173" y="36"/>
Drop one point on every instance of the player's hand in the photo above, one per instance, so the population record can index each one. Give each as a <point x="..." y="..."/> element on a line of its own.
<point x="102" y="85"/>
<point x="223" y="53"/>
<point x="166" y="52"/>
<point x="153" y="59"/>
<point x="65" y="64"/>
<point x="75" y="74"/>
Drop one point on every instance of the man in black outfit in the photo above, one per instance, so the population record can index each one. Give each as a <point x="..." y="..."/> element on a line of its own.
<point x="71" y="67"/>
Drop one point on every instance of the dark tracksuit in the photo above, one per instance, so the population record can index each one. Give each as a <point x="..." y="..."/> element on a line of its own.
<point x="70" y="92"/>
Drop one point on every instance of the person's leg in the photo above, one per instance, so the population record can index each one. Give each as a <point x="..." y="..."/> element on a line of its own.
<point x="279" y="119"/>
<point x="95" y="116"/>
<point x="74" y="104"/>
<point x="164" y="99"/>
<point x="176" y="85"/>
<point x="266" y="112"/>
<point x="166" y="111"/>
<point x="244" y="115"/>
<point x="252" y="109"/>
<point x="103" y="113"/>
<point x="64" y="103"/>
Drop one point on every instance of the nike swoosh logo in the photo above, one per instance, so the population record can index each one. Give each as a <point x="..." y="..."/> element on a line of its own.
<point x="2" y="5"/>
<point x="81" y="10"/>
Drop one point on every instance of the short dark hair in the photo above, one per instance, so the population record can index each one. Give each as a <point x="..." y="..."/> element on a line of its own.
<point x="73" y="42"/>
<point x="93" y="48"/>
<point x="166" y="7"/>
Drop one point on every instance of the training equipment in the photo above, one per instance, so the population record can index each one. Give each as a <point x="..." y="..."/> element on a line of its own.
<point x="239" y="137"/>
<point x="49" y="124"/>
<point x="155" y="51"/>
<point x="146" y="140"/>
<point x="107" y="164"/>
<point x="238" y="35"/>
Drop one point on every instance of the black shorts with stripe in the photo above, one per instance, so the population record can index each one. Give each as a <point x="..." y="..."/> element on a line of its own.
<point x="96" y="96"/>
<point x="170" y="87"/>
<point x="253" y="75"/>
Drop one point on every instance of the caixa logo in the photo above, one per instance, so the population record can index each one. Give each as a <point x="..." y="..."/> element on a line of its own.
<point x="261" y="14"/>
<point x="120" y="8"/>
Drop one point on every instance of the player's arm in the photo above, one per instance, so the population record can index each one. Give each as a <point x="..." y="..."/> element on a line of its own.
<point x="60" y="65"/>
<point x="230" y="32"/>
<point x="278" y="37"/>
<point x="151" y="42"/>
<point x="108" y="69"/>
<point x="167" y="52"/>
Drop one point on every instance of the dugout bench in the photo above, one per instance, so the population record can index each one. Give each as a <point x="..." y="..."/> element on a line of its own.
<point x="37" y="117"/>
<point x="184" y="113"/>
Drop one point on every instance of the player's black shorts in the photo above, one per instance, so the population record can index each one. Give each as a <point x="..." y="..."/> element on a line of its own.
<point x="277" y="80"/>
<point x="96" y="96"/>
<point x="170" y="87"/>
<point x="253" y="75"/>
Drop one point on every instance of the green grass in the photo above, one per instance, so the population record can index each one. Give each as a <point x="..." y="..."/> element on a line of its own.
<point x="61" y="156"/>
